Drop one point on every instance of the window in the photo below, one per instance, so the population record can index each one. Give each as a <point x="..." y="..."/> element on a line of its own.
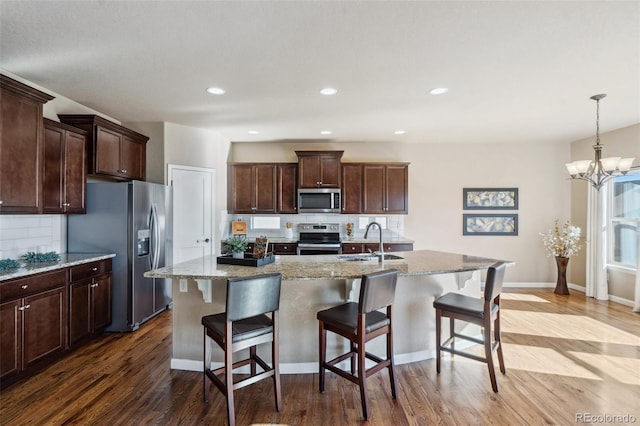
<point x="624" y="216"/>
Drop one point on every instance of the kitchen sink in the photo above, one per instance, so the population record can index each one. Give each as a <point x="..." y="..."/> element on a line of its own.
<point x="367" y="257"/>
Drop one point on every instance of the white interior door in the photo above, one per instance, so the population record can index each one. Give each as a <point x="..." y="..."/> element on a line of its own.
<point x="192" y="211"/>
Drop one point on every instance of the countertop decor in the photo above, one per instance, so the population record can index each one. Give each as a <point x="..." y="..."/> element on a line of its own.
<point x="9" y="264"/>
<point x="66" y="260"/>
<point x="33" y="257"/>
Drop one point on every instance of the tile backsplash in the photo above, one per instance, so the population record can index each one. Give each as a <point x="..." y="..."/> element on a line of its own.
<point x="40" y="233"/>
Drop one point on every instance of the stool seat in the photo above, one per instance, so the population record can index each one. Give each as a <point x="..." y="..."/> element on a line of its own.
<point x="464" y="305"/>
<point x="242" y="329"/>
<point x="345" y="318"/>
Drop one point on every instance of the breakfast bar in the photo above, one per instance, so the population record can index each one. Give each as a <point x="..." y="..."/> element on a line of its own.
<point x="313" y="283"/>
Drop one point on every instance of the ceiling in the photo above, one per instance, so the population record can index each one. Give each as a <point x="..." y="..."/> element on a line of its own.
<point x="516" y="72"/>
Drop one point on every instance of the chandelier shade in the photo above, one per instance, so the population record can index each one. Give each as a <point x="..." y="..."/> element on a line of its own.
<point x="598" y="171"/>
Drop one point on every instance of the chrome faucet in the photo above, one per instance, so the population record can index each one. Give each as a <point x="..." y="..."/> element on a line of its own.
<point x="381" y="248"/>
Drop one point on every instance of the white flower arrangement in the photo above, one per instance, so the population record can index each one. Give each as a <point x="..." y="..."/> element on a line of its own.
<point x="563" y="243"/>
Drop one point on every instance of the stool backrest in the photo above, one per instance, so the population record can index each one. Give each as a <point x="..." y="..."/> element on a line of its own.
<point x="493" y="284"/>
<point x="251" y="296"/>
<point x="377" y="290"/>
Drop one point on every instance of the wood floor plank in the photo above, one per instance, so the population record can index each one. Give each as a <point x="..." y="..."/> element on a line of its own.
<point x="565" y="355"/>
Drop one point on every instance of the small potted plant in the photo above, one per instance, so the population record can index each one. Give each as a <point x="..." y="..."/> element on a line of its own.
<point x="237" y="245"/>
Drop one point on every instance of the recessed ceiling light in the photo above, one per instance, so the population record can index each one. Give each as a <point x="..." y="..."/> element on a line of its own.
<point x="216" y="91"/>
<point x="438" y="90"/>
<point x="328" y="91"/>
<point x="253" y="132"/>
<point x="399" y="132"/>
<point x="325" y="132"/>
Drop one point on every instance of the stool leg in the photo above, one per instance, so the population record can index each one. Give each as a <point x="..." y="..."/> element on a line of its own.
<point x="352" y="347"/>
<point x="322" y="349"/>
<point x="438" y="338"/>
<point x="392" y="377"/>
<point x="452" y="329"/>
<point x="275" y="358"/>
<point x="205" y="388"/>
<point x="498" y="338"/>
<point x="252" y="356"/>
<point x="362" y="377"/>
<point x="228" y="372"/>
<point x="488" y="353"/>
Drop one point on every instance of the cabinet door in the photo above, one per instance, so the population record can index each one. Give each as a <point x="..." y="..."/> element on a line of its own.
<point x="241" y="188"/>
<point x="133" y="158"/>
<point x="107" y="148"/>
<point x="353" y="248"/>
<point x="287" y="189"/>
<point x="45" y="328"/>
<point x="10" y="338"/>
<point x="330" y="171"/>
<point x="373" y="197"/>
<point x="265" y="188"/>
<point x="53" y="183"/>
<point x="101" y="302"/>
<point x="75" y="173"/>
<point x="21" y="154"/>
<point x="309" y="171"/>
<point x="397" y="184"/>
<point x="79" y="314"/>
<point x="351" y="188"/>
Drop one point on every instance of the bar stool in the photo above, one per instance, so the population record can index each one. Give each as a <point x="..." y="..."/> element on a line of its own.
<point x="244" y="324"/>
<point x="359" y="323"/>
<point x="480" y="311"/>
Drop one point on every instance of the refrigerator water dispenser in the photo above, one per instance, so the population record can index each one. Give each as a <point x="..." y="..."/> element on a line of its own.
<point x="143" y="242"/>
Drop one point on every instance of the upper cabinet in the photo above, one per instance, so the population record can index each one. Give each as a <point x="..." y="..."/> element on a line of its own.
<point x="352" y="188"/>
<point x="21" y="154"/>
<point x="252" y="188"/>
<point x="113" y="151"/>
<point x="319" y="169"/>
<point x="385" y="188"/>
<point x="65" y="169"/>
<point x="287" y="190"/>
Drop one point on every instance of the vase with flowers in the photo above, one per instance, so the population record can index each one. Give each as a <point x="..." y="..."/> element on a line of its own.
<point x="562" y="243"/>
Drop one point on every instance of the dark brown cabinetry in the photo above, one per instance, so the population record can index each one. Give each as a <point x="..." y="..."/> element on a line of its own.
<point x="20" y="147"/>
<point x="113" y="151"/>
<point x="89" y="300"/>
<point x="385" y="188"/>
<point x="253" y="188"/>
<point x="65" y="169"/>
<point x="351" y="188"/>
<point x="319" y="169"/>
<point x="372" y="247"/>
<point x="287" y="188"/>
<point x="33" y="321"/>
<point x="285" y="248"/>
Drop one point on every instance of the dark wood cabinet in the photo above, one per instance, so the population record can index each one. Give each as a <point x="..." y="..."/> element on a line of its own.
<point x="319" y="169"/>
<point x="285" y="248"/>
<point x="89" y="300"/>
<point x="113" y="151"/>
<point x="21" y="157"/>
<point x="252" y="188"/>
<point x="287" y="188"/>
<point x="351" y="188"/>
<point x="385" y="188"/>
<point x="65" y="170"/>
<point x="33" y="324"/>
<point x="355" y="248"/>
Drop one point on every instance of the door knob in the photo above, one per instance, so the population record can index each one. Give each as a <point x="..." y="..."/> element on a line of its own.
<point x="206" y="240"/>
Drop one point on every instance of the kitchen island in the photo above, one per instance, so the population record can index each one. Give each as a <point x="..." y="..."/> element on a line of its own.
<point x="313" y="283"/>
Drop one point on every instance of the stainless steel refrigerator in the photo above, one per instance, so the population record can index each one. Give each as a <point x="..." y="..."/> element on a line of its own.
<point x="134" y="221"/>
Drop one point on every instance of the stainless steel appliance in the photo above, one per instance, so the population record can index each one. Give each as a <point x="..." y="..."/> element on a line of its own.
<point x="319" y="238"/>
<point x="319" y="200"/>
<point x="134" y="221"/>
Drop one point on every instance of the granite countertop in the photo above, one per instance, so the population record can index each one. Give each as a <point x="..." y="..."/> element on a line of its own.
<point x="419" y="262"/>
<point x="66" y="260"/>
<point x="356" y="239"/>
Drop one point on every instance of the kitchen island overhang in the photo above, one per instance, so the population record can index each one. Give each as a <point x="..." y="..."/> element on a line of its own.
<point x="313" y="283"/>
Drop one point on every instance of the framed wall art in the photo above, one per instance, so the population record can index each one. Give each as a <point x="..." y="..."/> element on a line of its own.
<point x="490" y="224"/>
<point x="490" y="198"/>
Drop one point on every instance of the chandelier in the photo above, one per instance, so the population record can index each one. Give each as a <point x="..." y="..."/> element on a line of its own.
<point x="597" y="172"/>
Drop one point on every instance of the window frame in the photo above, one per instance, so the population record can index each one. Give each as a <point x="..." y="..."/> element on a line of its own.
<point x="611" y="221"/>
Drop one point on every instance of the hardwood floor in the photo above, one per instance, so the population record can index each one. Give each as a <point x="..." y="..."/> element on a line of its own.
<point x="566" y="356"/>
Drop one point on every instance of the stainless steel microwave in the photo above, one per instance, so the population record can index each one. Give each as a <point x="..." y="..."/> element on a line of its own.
<point x="319" y="200"/>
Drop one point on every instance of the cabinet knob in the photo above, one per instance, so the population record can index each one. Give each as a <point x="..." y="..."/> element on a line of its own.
<point x="0" y="202"/>
<point x="94" y="269"/>
<point x="24" y="286"/>
<point x="94" y="285"/>
<point x="22" y="308"/>
<point x="285" y="247"/>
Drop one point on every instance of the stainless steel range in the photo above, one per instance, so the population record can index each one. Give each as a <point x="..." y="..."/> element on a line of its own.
<point x="319" y="238"/>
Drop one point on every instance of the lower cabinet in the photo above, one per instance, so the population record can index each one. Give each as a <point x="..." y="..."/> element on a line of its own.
<point x="43" y="315"/>
<point x="371" y="247"/>
<point x="89" y="300"/>
<point x="285" y="248"/>
<point x="33" y="324"/>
